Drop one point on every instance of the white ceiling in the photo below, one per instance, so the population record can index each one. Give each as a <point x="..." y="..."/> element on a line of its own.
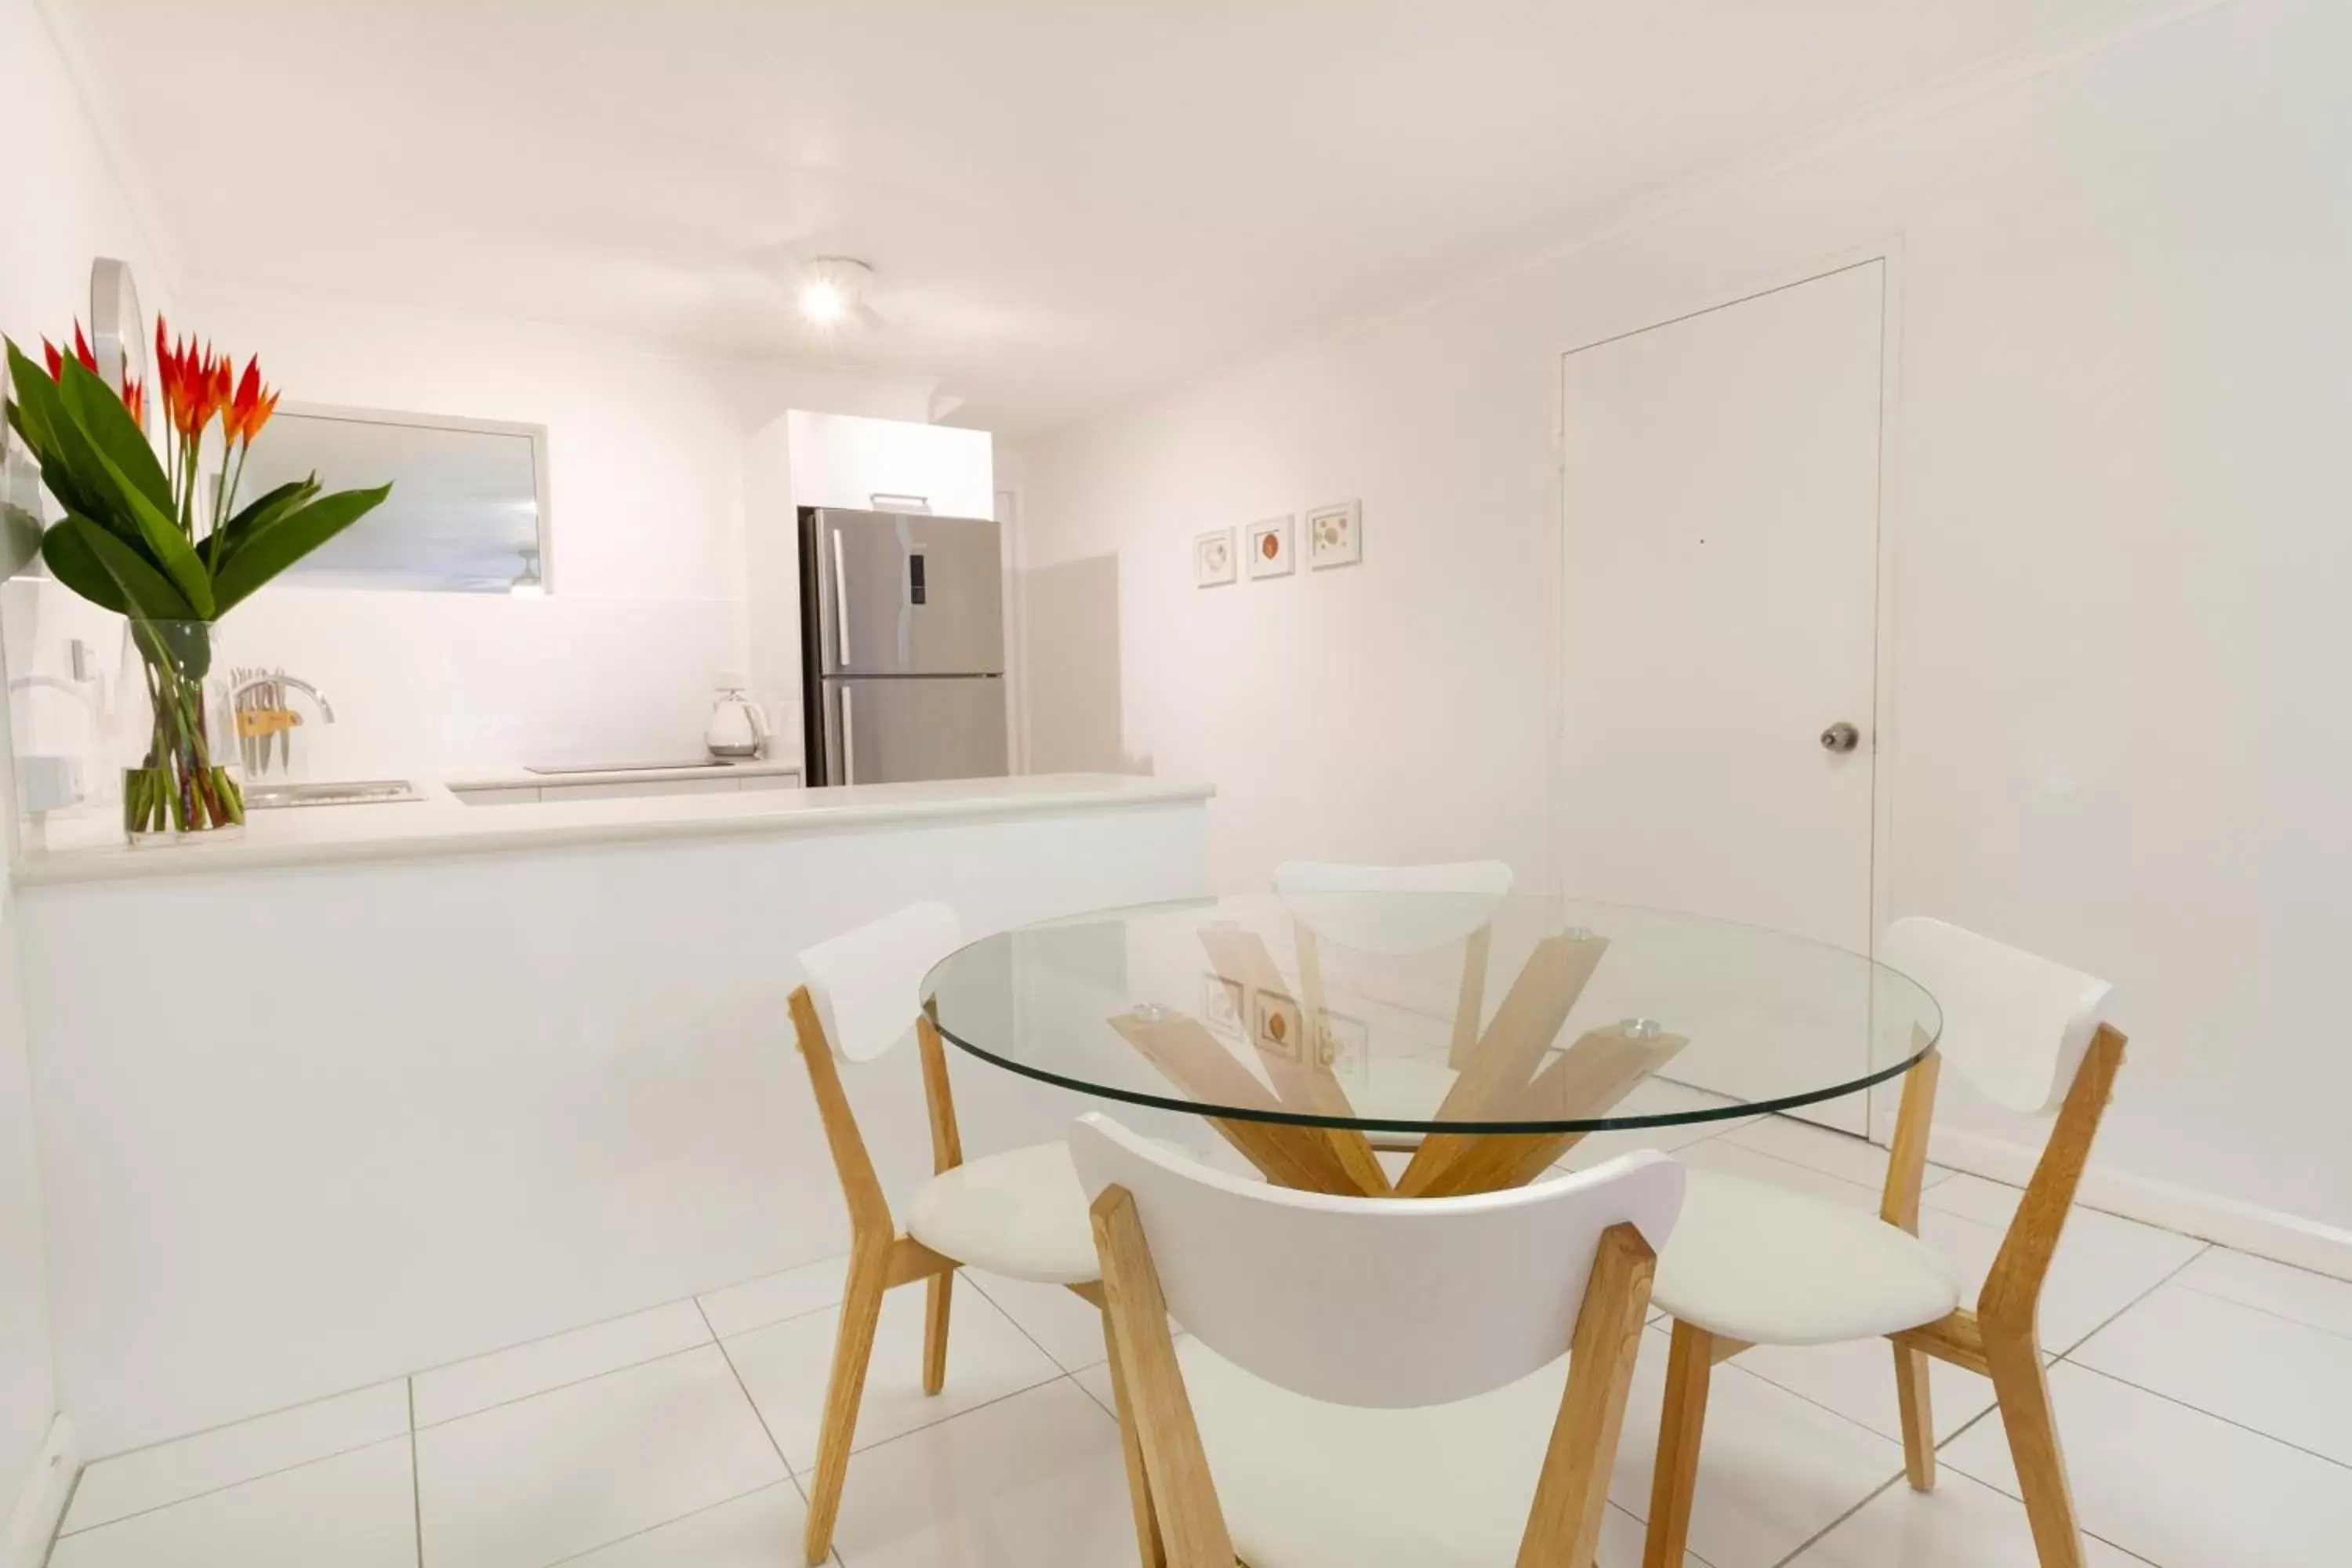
<point x="1070" y="205"/>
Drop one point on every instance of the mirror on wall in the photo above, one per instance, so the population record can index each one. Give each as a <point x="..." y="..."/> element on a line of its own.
<point x="469" y="507"/>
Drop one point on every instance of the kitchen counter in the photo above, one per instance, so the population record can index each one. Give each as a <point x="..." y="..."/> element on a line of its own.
<point x="351" y="1093"/>
<point x="441" y="824"/>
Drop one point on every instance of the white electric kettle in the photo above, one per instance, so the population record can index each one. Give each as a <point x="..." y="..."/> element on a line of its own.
<point x="738" y="727"/>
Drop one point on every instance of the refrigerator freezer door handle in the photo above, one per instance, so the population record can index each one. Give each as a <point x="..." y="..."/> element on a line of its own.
<point x="841" y="599"/>
<point x="848" y="740"/>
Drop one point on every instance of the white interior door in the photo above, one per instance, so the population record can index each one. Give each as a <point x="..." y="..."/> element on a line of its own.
<point x="1720" y="529"/>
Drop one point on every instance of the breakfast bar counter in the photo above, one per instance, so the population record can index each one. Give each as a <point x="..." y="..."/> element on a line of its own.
<point x="372" y="1087"/>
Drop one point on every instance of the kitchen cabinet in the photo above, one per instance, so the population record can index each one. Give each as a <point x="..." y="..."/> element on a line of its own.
<point x="844" y="461"/>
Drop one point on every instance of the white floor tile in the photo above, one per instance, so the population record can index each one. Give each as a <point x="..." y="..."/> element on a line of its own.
<point x="2176" y="1486"/>
<point x="1857" y="1381"/>
<point x="2288" y="1292"/>
<point x="461" y="1389"/>
<point x="1840" y="1154"/>
<point x="1774" y="1470"/>
<point x="2278" y="1377"/>
<point x="761" y="1530"/>
<point x="559" y="1473"/>
<point x="784" y="1365"/>
<point x="773" y="1297"/>
<point x="1032" y="1482"/>
<point x="1068" y="1327"/>
<point x="189" y="1467"/>
<point x="2104" y="1264"/>
<point x="1974" y="1197"/>
<point x="1960" y="1524"/>
<point x="1594" y="1148"/>
<point x="355" y="1511"/>
<point x="1096" y="1381"/>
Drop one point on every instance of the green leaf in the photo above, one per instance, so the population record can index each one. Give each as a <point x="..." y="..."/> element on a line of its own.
<point x="82" y="474"/>
<point x="167" y="548"/>
<point x="263" y="510"/>
<point x="95" y="407"/>
<point x="23" y="414"/>
<point x="151" y="595"/>
<point x="24" y="377"/>
<point x="39" y="416"/>
<point x="73" y="562"/>
<point x="267" y="551"/>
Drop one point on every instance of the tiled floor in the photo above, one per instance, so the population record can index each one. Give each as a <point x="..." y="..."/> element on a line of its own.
<point x="2205" y="1398"/>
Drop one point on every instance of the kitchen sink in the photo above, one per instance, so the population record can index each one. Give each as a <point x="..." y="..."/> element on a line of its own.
<point x="366" y="792"/>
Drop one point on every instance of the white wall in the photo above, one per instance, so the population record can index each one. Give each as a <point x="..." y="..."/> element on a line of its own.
<point x="2120" y="730"/>
<point x="62" y="206"/>
<point x="646" y="457"/>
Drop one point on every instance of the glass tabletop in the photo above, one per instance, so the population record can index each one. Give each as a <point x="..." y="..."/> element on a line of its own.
<point x="1431" y="1012"/>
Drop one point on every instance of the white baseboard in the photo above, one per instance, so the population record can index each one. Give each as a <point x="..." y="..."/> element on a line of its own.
<point x="41" y="1496"/>
<point x="2267" y="1233"/>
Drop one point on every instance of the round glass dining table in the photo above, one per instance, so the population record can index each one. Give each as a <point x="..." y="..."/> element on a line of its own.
<point x="1483" y="1035"/>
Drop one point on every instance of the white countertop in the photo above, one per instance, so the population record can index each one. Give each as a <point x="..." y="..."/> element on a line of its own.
<point x="442" y="825"/>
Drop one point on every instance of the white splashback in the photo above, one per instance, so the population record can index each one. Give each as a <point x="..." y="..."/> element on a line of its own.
<point x="440" y="685"/>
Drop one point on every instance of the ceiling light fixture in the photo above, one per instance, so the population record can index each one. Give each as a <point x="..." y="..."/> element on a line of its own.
<point x="833" y="290"/>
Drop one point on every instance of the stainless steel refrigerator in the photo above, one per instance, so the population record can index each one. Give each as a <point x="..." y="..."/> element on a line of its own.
<point x="902" y="647"/>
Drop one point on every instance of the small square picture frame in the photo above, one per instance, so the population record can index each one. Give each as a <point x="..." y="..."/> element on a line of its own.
<point x="1278" y="1025"/>
<point x="1335" y="536"/>
<point x="1344" y="1045"/>
<point x="1215" y="563"/>
<point x="1269" y="548"/>
<point x="1224" y="1006"/>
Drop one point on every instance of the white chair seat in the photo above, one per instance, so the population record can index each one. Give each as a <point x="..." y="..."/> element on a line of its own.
<point x="1751" y="1261"/>
<point x="1021" y="1212"/>
<point x="1309" y="1485"/>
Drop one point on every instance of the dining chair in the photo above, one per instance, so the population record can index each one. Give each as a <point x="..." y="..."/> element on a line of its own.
<point x="1021" y="1212"/>
<point x="1755" y="1263"/>
<point x="1369" y="1381"/>
<point x="1336" y="903"/>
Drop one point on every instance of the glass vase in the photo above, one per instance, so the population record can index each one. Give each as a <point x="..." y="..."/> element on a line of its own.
<point x="176" y="733"/>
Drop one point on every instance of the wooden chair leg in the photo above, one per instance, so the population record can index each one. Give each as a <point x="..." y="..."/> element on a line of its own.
<point x="1149" y="1549"/>
<point x="1564" y="1524"/>
<point x="1918" y="1417"/>
<point x="2023" y="1389"/>
<point x="1690" y="1365"/>
<point x="938" y="1293"/>
<point x="852" y="1347"/>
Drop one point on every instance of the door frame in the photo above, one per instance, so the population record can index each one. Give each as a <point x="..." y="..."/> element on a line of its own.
<point x="1883" y="1098"/>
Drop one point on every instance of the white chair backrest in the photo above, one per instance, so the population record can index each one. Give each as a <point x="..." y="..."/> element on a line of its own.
<point x="867" y="983"/>
<point x="1329" y="899"/>
<point x="2015" y="1025"/>
<point x="1390" y="1302"/>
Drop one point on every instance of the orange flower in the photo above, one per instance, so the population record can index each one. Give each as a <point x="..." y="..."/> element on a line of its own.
<point x="251" y="407"/>
<point x="195" y="383"/>
<point x="56" y="361"/>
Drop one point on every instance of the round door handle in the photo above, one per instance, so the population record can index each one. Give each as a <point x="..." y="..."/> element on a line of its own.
<point x="1841" y="737"/>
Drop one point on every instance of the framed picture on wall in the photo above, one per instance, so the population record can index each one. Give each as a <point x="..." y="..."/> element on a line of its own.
<point x="1213" y="563"/>
<point x="1335" y="536"/>
<point x="1269" y="547"/>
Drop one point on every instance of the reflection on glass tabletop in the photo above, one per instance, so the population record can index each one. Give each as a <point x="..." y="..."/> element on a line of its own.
<point x="1421" y="1013"/>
